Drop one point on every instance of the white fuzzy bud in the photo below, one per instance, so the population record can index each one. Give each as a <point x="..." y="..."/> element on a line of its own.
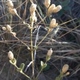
<point x="47" y="3"/>
<point x="68" y="73"/>
<point x="8" y="28"/>
<point x="57" y="9"/>
<point x="53" y="23"/>
<point x="65" y="68"/>
<point x="50" y="51"/>
<point x="10" y="3"/>
<point x="33" y="17"/>
<point x="4" y="28"/>
<point x="13" y="11"/>
<point x="32" y="8"/>
<point x="50" y="9"/>
<point x="10" y="55"/>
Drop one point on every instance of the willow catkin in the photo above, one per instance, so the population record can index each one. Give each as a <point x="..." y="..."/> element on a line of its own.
<point x="57" y="9"/>
<point x="65" y="68"/>
<point x="53" y="23"/>
<point x="33" y="17"/>
<point x="10" y="55"/>
<point x="50" y="51"/>
<point x="47" y="3"/>
<point x="3" y="28"/>
<point x="50" y="9"/>
<point x="8" y="28"/>
<point x="12" y="11"/>
<point x="32" y="8"/>
<point x="10" y="3"/>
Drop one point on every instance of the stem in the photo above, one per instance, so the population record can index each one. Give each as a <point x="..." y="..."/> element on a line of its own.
<point x="39" y="73"/>
<point x="22" y="42"/>
<point x="32" y="54"/>
<point x="31" y="1"/>
<point x="23" y="73"/>
<point x="11" y="19"/>
<point x="43" y="39"/>
<point x="26" y="75"/>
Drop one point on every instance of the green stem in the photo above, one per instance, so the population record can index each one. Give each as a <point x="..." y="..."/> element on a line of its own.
<point x="11" y="19"/>
<point x="21" y="72"/>
<point x="26" y="75"/>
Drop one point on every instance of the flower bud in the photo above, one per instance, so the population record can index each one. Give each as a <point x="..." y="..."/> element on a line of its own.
<point x="12" y="11"/>
<point x="32" y="8"/>
<point x="10" y="55"/>
<point x="22" y="67"/>
<point x="53" y="23"/>
<point x="43" y="65"/>
<point x="10" y="3"/>
<point x="47" y="3"/>
<point x="4" y="28"/>
<point x="65" y="68"/>
<point x="49" y="53"/>
<point x="50" y="9"/>
<point x="57" y="9"/>
<point x="8" y="28"/>
<point x="33" y="17"/>
<point x="68" y="73"/>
